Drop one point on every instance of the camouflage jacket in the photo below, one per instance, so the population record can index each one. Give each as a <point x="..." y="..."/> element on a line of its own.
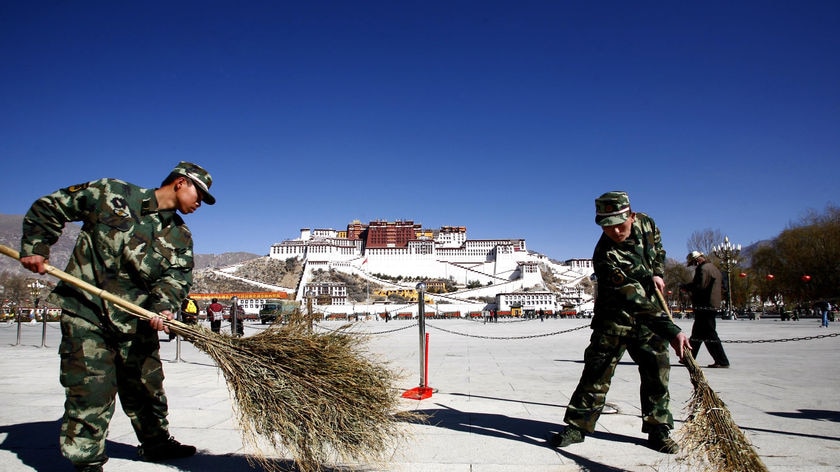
<point x="626" y="295"/>
<point x="127" y="247"/>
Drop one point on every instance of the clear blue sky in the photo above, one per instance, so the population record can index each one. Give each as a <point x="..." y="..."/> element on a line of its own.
<point x="505" y="117"/>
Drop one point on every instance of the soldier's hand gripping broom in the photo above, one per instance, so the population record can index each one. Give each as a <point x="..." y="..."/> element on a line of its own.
<point x="710" y="439"/>
<point x="318" y="396"/>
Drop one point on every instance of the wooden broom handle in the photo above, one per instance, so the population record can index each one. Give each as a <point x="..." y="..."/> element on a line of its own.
<point x="132" y="308"/>
<point x="662" y="302"/>
<point x="688" y="359"/>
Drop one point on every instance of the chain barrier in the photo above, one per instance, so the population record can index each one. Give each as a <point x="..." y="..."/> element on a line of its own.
<point x="28" y="324"/>
<point x="258" y="327"/>
<point x="402" y="328"/>
<point x="483" y="320"/>
<point x="706" y="308"/>
<point x="530" y="336"/>
<point x="765" y="341"/>
<point x="55" y="326"/>
<point x="720" y="310"/>
<point x="557" y="333"/>
<point x="566" y="331"/>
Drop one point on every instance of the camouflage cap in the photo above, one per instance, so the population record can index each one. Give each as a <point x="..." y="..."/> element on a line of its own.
<point x="200" y="177"/>
<point x="691" y="258"/>
<point x="612" y="208"/>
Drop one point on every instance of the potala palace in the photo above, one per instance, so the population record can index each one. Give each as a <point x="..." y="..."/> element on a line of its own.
<point x="502" y="269"/>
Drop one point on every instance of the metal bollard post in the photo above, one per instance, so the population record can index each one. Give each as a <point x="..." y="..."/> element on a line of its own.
<point x="43" y="324"/>
<point x="421" y="319"/>
<point x="178" y="340"/>
<point x="234" y="311"/>
<point x="422" y="391"/>
<point x="17" y="317"/>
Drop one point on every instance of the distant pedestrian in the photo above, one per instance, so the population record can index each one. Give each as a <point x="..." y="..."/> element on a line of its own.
<point x="823" y="307"/>
<point x="237" y="319"/>
<point x="214" y="315"/>
<point x="188" y="313"/>
<point x="705" y="290"/>
<point x="783" y="315"/>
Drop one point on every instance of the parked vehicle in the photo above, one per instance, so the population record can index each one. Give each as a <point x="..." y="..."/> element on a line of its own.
<point x="275" y="310"/>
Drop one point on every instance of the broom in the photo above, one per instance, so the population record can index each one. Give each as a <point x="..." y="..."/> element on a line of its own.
<point x="710" y="438"/>
<point x="316" y="395"/>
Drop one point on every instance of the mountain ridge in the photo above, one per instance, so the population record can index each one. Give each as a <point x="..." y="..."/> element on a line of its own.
<point x="11" y="229"/>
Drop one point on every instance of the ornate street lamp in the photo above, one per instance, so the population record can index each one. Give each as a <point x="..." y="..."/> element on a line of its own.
<point x="728" y="255"/>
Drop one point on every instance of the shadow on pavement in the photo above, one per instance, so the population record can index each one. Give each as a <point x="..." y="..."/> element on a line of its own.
<point x="502" y="426"/>
<point x="580" y="361"/>
<point x="36" y="446"/>
<point x="818" y="415"/>
<point x="470" y="395"/>
<point x="586" y="464"/>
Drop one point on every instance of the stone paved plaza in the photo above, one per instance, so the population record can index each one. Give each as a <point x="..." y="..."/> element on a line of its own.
<point x="500" y="390"/>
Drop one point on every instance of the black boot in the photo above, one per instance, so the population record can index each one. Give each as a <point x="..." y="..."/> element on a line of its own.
<point x="660" y="440"/>
<point x="88" y="467"/>
<point x="569" y="435"/>
<point x="164" y="450"/>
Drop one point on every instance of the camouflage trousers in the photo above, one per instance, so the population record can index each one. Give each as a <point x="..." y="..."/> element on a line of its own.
<point x="649" y="352"/>
<point x="97" y="365"/>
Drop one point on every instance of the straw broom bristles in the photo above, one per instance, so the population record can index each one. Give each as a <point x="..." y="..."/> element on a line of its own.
<point x="710" y="439"/>
<point x="317" y="395"/>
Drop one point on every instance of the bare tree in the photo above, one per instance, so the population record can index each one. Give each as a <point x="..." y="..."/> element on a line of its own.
<point x="676" y="274"/>
<point x="704" y="240"/>
<point x="804" y="259"/>
<point x="15" y="291"/>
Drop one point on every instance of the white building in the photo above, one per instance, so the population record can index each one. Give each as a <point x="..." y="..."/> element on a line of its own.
<point x="403" y="248"/>
<point x="526" y="301"/>
<point x="581" y="265"/>
<point x="449" y="254"/>
<point x="331" y="292"/>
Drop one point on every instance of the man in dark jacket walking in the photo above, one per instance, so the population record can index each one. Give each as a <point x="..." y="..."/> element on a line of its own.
<point x="705" y="291"/>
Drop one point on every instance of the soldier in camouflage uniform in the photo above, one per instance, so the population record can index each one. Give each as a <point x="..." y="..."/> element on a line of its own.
<point x="133" y="244"/>
<point x="629" y="264"/>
